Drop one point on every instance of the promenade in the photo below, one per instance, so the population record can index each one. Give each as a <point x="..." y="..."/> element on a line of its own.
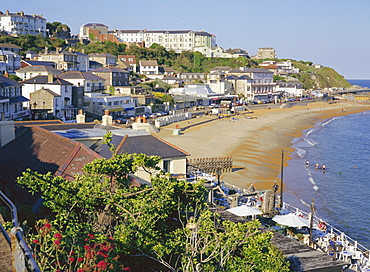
<point x="254" y="144"/>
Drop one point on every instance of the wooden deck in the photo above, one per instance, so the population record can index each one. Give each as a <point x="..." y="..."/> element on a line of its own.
<point x="302" y="258"/>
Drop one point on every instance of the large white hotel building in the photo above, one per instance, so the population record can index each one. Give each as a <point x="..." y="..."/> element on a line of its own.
<point x="22" y="24"/>
<point x="176" y="40"/>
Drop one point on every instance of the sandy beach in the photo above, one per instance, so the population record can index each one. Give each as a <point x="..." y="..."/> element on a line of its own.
<point x="254" y="144"/>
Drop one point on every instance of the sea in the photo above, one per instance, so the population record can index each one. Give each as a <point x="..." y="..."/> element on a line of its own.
<point x="341" y="193"/>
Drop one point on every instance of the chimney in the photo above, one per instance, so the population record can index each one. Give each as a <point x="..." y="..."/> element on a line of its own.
<point x="7" y="12"/>
<point x="107" y="119"/>
<point x="46" y="50"/>
<point x="80" y="117"/>
<point x="7" y="132"/>
<point x="6" y="74"/>
<point x="50" y="78"/>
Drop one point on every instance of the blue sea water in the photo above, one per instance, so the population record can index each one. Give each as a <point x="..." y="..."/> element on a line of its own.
<point x="360" y="82"/>
<point x="341" y="193"/>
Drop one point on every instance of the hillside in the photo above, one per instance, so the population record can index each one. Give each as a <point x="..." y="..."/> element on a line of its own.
<point x="314" y="78"/>
<point x="187" y="61"/>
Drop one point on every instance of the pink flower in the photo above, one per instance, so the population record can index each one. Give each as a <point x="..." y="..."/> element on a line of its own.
<point x="48" y="226"/>
<point x="57" y="242"/>
<point x="71" y="253"/>
<point x="127" y="269"/>
<point x="91" y="236"/>
<point x="80" y="259"/>
<point x="35" y="241"/>
<point x="80" y="270"/>
<point x="58" y="236"/>
<point x="101" y="253"/>
<point x="71" y="259"/>
<point x="102" y="265"/>
<point x="87" y="248"/>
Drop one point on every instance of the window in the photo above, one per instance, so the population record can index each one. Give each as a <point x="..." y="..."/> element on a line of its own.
<point x="166" y="165"/>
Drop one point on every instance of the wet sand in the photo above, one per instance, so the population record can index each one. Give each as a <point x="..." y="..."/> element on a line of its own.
<point x="255" y="145"/>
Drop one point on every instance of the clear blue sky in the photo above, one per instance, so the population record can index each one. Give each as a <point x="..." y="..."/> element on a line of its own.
<point x="334" y="33"/>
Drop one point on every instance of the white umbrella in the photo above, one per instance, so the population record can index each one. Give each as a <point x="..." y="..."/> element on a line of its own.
<point x="244" y="210"/>
<point x="291" y="220"/>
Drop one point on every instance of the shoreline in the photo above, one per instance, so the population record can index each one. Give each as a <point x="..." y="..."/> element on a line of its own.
<point x="254" y="144"/>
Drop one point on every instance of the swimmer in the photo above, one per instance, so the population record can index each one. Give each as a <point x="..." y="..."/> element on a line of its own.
<point x="323" y="167"/>
<point x="316" y="166"/>
<point x="307" y="163"/>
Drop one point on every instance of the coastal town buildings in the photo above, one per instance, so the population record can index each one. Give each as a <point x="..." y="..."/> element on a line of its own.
<point x="290" y="88"/>
<point x="20" y="23"/>
<point x="105" y="59"/>
<point x="253" y="83"/>
<point x="59" y="88"/>
<point x="86" y="29"/>
<point x="11" y="100"/>
<point x="176" y="40"/>
<point x="148" y="67"/>
<point x="9" y="62"/>
<point x="265" y="53"/>
<point x="127" y="62"/>
<point x="118" y="105"/>
<point x="114" y="76"/>
<point x="36" y="70"/>
<point x="89" y="81"/>
<point x="283" y="68"/>
<point x="10" y="47"/>
<point x="64" y="60"/>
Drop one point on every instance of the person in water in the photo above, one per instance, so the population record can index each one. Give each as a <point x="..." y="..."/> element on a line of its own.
<point x="323" y="167"/>
<point x="316" y="166"/>
<point x="307" y="163"/>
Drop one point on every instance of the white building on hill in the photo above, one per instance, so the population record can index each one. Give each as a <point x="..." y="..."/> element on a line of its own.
<point x="22" y="24"/>
<point x="177" y="40"/>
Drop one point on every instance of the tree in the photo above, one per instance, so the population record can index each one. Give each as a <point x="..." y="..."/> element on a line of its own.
<point x="108" y="224"/>
<point x="57" y="29"/>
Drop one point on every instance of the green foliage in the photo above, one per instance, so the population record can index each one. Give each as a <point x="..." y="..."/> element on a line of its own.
<point x="15" y="78"/>
<point x="58" y="29"/>
<point x="277" y="77"/>
<point x="101" y="47"/>
<point x="32" y="42"/>
<point x="161" y="97"/>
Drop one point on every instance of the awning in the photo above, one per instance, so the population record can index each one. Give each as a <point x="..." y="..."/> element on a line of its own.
<point x="116" y="109"/>
<point x="17" y="99"/>
<point x="127" y="109"/>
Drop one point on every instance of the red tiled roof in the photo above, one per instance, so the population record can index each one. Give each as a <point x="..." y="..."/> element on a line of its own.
<point x="41" y="151"/>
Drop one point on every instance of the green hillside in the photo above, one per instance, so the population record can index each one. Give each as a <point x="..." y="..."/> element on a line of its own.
<point x="313" y="78"/>
<point x="187" y="61"/>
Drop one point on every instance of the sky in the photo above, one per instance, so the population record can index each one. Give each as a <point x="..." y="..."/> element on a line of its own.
<point x="333" y="33"/>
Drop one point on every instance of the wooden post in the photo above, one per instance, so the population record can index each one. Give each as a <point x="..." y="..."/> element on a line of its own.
<point x="281" y="180"/>
<point x="312" y="207"/>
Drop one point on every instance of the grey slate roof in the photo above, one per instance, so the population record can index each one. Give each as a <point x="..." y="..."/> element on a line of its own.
<point x="110" y="70"/>
<point x="39" y="68"/>
<point x="257" y="70"/>
<point x="7" y="82"/>
<point x="36" y="62"/>
<point x="147" y="144"/>
<point x="44" y="80"/>
<point x="80" y="75"/>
